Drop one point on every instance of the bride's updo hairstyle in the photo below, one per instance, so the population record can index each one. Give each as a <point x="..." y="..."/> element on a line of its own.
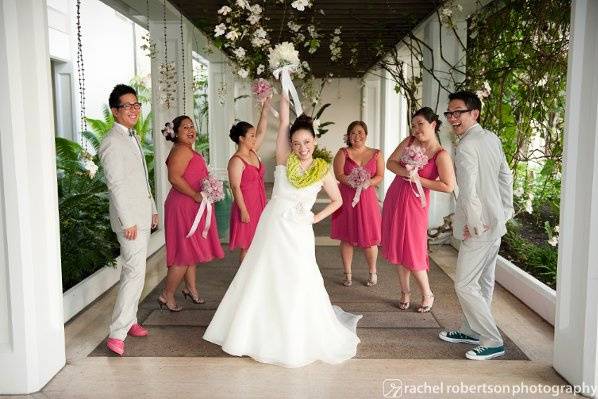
<point x="303" y="122"/>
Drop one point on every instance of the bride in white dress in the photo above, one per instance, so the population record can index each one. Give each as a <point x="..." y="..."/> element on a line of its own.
<point x="276" y="309"/>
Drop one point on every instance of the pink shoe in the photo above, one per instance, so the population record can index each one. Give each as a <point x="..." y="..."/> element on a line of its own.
<point x="116" y="345"/>
<point x="137" y="330"/>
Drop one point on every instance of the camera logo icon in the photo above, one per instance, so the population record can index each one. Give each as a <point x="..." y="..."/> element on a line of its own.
<point x="392" y="388"/>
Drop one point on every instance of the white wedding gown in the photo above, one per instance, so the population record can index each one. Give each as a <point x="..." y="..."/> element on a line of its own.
<point x="276" y="309"/>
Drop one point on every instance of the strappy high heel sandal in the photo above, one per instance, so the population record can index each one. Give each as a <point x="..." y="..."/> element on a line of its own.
<point x="163" y="304"/>
<point x="404" y="305"/>
<point x="426" y="308"/>
<point x="347" y="282"/>
<point x="373" y="280"/>
<point x="194" y="299"/>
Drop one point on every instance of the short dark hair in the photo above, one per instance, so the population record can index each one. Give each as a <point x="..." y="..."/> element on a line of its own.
<point x="119" y="91"/>
<point x="303" y="122"/>
<point x="428" y="114"/>
<point x="352" y="126"/>
<point x="471" y="100"/>
<point x="238" y="130"/>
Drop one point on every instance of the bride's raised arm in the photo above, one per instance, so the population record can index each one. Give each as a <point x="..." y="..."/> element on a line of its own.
<point x="283" y="146"/>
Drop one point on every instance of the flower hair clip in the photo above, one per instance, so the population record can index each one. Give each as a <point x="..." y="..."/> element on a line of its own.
<point x="168" y="130"/>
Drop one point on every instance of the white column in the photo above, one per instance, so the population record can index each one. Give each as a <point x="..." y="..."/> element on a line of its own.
<point x="576" y="327"/>
<point x="31" y="320"/>
<point x="372" y="113"/>
<point x="441" y="204"/>
<point x="221" y="86"/>
<point x="393" y="125"/>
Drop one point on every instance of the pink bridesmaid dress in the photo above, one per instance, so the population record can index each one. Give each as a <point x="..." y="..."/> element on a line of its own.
<point x="359" y="225"/>
<point x="405" y="221"/>
<point x="254" y="195"/>
<point x="179" y="213"/>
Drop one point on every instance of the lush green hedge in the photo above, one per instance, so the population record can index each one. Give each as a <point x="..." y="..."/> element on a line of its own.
<point x="517" y="59"/>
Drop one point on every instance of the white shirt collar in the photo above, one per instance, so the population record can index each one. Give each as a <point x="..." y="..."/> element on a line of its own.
<point x="123" y="128"/>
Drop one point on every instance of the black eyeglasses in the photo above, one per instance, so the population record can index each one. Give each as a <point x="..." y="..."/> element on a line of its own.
<point x="135" y="106"/>
<point x="456" y="113"/>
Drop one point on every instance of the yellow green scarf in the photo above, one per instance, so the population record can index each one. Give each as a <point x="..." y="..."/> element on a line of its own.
<point x="316" y="171"/>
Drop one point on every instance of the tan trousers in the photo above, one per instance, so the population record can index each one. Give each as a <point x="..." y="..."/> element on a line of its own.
<point x="132" y="279"/>
<point x="474" y="284"/>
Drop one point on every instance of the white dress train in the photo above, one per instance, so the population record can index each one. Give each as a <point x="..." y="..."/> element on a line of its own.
<point x="276" y="309"/>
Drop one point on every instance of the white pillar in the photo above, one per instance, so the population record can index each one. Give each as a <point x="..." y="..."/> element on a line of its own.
<point x="576" y="327"/>
<point x="372" y="113"/>
<point x="394" y="125"/>
<point x="221" y="86"/>
<point x="433" y="96"/>
<point x="31" y="316"/>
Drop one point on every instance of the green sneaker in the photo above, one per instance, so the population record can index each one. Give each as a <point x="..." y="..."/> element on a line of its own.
<point x="485" y="352"/>
<point x="457" y="338"/>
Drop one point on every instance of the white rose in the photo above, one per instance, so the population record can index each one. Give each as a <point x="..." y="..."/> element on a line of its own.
<point x="224" y="10"/>
<point x="240" y="53"/>
<point x="243" y="73"/>
<point x="219" y="30"/>
<point x="254" y="19"/>
<point x="554" y="241"/>
<point x="260" y="69"/>
<point x="232" y="35"/>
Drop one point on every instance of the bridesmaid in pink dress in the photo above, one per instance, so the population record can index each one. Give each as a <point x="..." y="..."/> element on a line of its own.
<point x="246" y="177"/>
<point x="186" y="171"/>
<point x="404" y="220"/>
<point x="358" y="226"/>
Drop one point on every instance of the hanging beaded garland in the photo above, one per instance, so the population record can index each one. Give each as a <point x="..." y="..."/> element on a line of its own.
<point x="183" y="63"/>
<point x="80" y="69"/>
<point x="167" y="71"/>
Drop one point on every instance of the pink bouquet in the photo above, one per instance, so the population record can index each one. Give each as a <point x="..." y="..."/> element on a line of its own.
<point x="261" y="88"/>
<point x="414" y="158"/>
<point x="358" y="179"/>
<point x="212" y="191"/>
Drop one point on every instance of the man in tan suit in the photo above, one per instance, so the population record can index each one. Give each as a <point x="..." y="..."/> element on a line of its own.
<point x="484" y="205"/>
<point x="132" y="211"/>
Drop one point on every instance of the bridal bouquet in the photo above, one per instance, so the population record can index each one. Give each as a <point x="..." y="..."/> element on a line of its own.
<point x="262" y="89"/>
<point x="212" y="190"/>
<point x="283" y="60"/>
<point x="358" y="179"/>
<point x="414" y="158"/>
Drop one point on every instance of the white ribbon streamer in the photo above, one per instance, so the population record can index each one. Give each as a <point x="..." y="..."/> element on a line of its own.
<point x="284" y="75"/>
<point x="207" y="207"/>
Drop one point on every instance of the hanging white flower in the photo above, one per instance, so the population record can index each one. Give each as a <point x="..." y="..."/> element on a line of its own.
<point x="224" y="10"/>
<point x="260" y="69"/>
<point x="260" y="33"/>
<point x="337" y="31"/>
<point x="256" y="9"/>
<point x="294" y="26"/>
<point x="254" y="19"/>
<point x="557" y="229"/>
<point x="232" y="35"/>
<point x="90" y="167"/>
<point x="257" y="42"/>
<point x="243" y="73"/>
<point x="554" y="241"/>
<point x="239" y="53"/>
<point x="242" y="3"/>
<point x="301" y="4"/>
<point x="305" y="65"/>
<point x="518" y="192"/>
<point x="219" y="30"/>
